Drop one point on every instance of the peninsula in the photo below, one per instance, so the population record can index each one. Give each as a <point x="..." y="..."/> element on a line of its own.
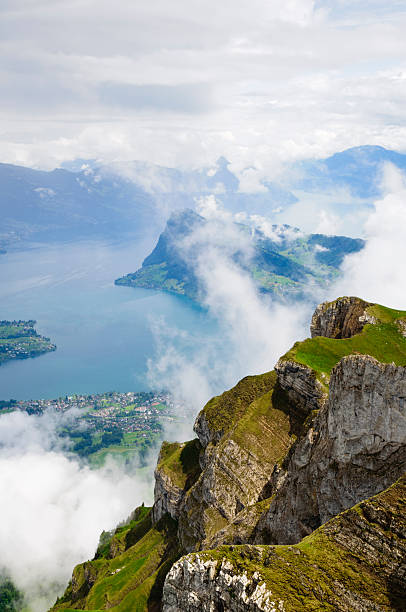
<point x="20" y="340"/>
<point x="284" y="262"/>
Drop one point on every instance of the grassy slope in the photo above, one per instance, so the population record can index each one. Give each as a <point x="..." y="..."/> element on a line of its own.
<point x="180" y="462"/>
<point x="313" y="574"/>
<point x="382" y="341"/>
<point x="154" y="276"/>
<point x="267" y="427"/>
<point x="130" y="581"/>
<point x="224" y="410"/>
<point x="257" y="416"/>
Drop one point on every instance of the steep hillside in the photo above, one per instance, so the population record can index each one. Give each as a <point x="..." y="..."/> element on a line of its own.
<point x="356" y="561"/>
<point x="128" y="570"/>
<point x="293" y="496"/>
<point x="282" y="265"/>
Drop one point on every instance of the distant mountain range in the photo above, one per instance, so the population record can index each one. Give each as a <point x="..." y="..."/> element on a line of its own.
<point x="63" y="205"/>
<point x="359" y="169"/>
<point x="86" y="199"/>
<point x="283" y="264"/>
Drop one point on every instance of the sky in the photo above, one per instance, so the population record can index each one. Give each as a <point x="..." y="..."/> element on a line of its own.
<point x="182" y="83"/>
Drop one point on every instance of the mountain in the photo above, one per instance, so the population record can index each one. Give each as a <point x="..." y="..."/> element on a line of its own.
<point x="283" y="264"/>
<point x="91" y="199"/>
<point x="61" y="205"/>
<point x="358" y="169"/>
<point x="179" y="188"/>
<point x="293" y="495"/>
<point x="88" y="199"/>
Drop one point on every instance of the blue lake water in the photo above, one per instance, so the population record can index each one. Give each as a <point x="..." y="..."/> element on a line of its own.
<point x="102" y="332"/>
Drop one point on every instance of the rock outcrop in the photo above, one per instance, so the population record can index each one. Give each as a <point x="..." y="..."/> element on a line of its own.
<point x="280" y="503"/>
<point x="244" y="432"/>
<point x="301" y="385"/>
<point x="356" y="561"/>
<point x="177" y="470"/>
<point x="355" y="448"/>
<point x="342" y="318"/>
<point x="201" y="584"/>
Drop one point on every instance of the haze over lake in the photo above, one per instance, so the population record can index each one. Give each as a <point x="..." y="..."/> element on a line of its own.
<point x="102" y="332"/>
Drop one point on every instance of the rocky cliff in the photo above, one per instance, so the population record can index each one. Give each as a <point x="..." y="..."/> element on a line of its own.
<point x="280" y="504"/>
<point x="342" y="318"/>
<point x="177" y="470"/>
<point x="356" y="561"/>
<point x="355" y="447"/>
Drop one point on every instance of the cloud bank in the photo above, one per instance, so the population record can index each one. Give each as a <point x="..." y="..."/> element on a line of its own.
<point x="182" y="84"/>
<point x="54" y="507"/>
<point x="252" y="331"/>
<point x="377" y="273"/>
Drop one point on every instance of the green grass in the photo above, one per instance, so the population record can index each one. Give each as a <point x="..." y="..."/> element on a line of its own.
<point x="265" y="429"/>
<point x="153" y="276"/>
<point x="133" y="578"/>
<point x="222" y="411"/>
<point x="117" y="452"/>
<point x="181" y="462"/>
<point x="271" y="281"/>
<point x="382" y="341"/>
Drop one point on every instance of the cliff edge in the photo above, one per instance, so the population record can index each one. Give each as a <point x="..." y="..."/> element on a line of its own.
<point x="292" y="496"/>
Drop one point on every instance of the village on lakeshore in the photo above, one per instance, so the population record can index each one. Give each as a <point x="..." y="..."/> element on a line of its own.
<point x="120" y="424"/>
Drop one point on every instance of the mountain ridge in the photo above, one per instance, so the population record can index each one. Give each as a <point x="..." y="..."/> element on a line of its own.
<point x="283" y="263"/>
<point x="93" y="199"/>
<point x="277" y="461"/>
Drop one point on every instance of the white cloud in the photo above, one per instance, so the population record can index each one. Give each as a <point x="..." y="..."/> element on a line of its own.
<point x="209" y="208"/>
<point x="53" y="507"/>
<point x="250" y="181"/>
<point x="328" y="223"/>
<point x="377" y="272"/>
<point x="182" y="84"/>
<point x="252" y="330"/>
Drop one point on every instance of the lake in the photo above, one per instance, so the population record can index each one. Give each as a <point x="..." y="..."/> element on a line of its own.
<point x="102" y="332"/>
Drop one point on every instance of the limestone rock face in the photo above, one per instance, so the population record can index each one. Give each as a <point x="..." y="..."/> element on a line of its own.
<point x="200" y="585"/>
<point x="355" y="562"/>
<point x="167" y="496"/>
<point x="401" y="323"/>
<point x="355" y="448"/>
<point x="232" y="480"/>
<point x="301" y="385"/>
<point x="203" y="431"/>
<point x="177" y="470"/>
<point x="342" y="318"/>
<point x="257" y="430"/>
